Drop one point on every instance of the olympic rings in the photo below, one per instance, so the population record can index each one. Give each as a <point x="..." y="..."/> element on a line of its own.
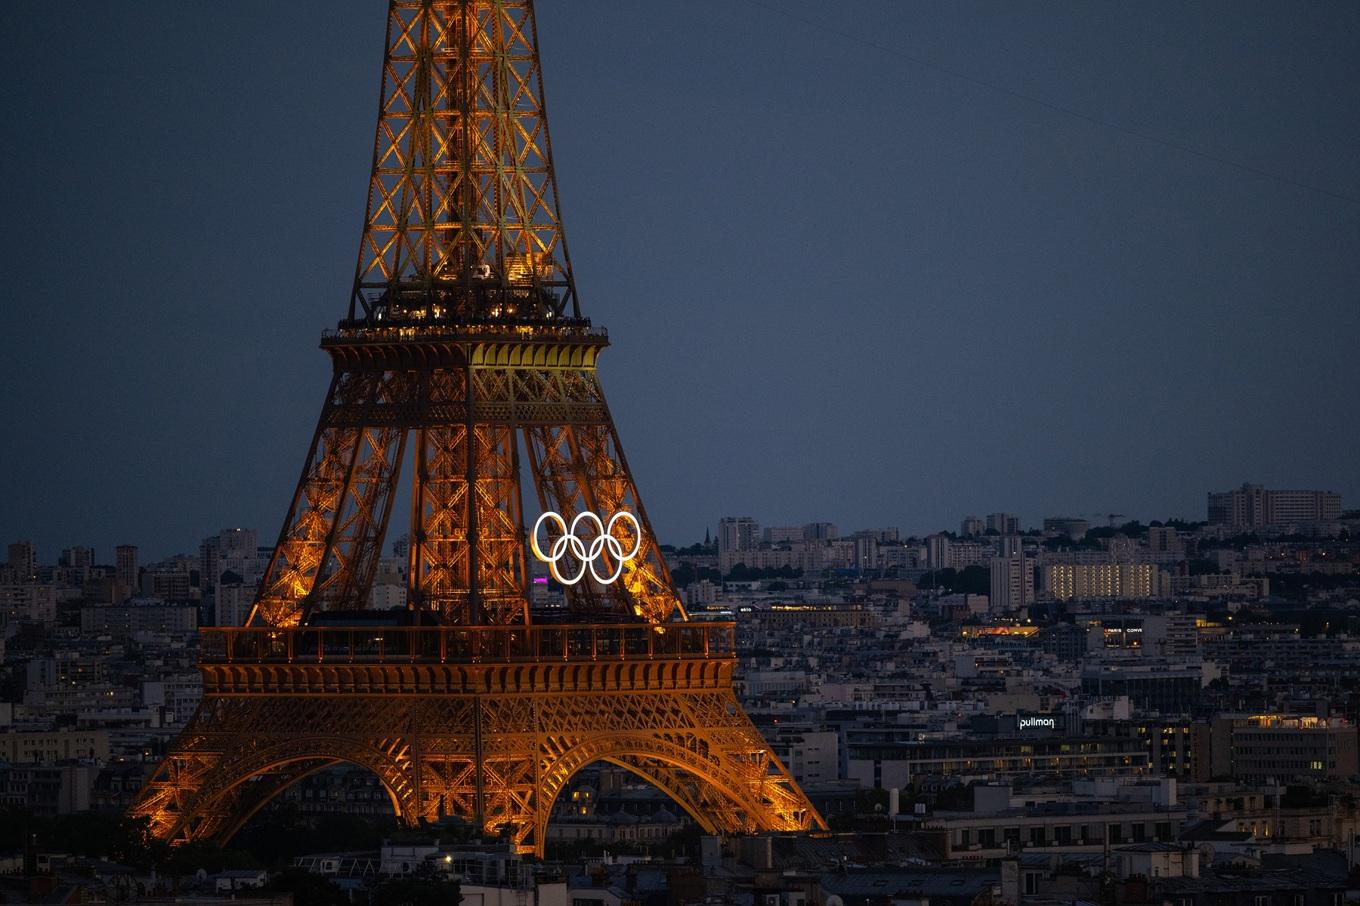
<point x="569" y="541"/>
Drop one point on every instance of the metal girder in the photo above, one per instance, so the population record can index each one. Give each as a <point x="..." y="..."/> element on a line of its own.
<point x="580" y="467"/>
<point x="467" y="553"/>
<point x="468" y="564"/>
<point x="462" y="219"/>
<point x="317" y="502"/>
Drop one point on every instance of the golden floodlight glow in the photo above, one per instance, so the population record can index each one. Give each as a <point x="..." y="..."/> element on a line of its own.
<point x="464" y="353"/>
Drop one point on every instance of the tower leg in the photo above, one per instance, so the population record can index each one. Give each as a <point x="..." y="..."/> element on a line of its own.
<point x="579" y="468"/>
<point x="330" y="542"/>
<point x="239" y="752"/>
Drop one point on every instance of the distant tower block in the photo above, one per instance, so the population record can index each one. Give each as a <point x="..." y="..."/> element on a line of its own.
<point x="125" y="566"/>
<point x="464" y="338"/>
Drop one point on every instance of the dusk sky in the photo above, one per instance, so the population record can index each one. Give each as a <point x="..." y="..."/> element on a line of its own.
<point x="880" y="263"/>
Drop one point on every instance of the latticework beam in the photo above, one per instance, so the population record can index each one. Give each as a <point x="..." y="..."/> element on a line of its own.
<point x="462" y="220"/>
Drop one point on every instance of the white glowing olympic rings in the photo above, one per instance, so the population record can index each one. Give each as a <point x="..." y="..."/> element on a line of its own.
<point x="570" y="542"/>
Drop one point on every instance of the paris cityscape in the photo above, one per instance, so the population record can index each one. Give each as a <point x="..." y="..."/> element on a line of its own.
<point x="983" y="370"/>
<point x="1008" y="707"/>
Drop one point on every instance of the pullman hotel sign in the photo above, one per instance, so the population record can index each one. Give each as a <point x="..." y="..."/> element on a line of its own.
<point x="1034" y="724"/>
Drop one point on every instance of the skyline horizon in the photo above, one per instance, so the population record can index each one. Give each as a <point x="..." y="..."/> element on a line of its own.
<point x="267" y="539"/>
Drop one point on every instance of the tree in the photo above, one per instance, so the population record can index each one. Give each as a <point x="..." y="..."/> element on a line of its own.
<point x="687" y="575"/>
<point x="104" y="834"/>
<point x="187" y="858"/>
<point x="972" y="580"/>
<point x="278" y="834"/>
<point x="307" y="889"/>
<point x="424" y="887"/>
<point x="742" y="573"/>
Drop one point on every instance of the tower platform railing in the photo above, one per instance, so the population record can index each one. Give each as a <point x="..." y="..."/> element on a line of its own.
<point x="466" y="644"/>
<point x="358" y="332"/>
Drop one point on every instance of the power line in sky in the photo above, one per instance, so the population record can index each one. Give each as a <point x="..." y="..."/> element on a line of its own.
<point x="1056" y="107"/>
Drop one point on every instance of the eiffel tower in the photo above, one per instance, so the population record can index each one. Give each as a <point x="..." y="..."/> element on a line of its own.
<point x="464" y="338"/>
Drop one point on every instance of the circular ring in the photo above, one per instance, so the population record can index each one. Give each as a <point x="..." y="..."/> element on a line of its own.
<point x="637" y="533"/>
<point x="560" y="546"/>
<point x="601" y="541"/>
<point x="561" y="530"/>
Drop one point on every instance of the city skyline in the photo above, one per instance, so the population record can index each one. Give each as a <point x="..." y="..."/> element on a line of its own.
<point x="1169" y="323"/>
<point x="1023" y="524"/>
<point x="996" y="355"/>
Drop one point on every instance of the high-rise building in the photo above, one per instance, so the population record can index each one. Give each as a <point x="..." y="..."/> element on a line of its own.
<point x="1065" y="581"/>
<point x="1164" y="543"/>
<point x="77" y="557"/>
<point x="820" y="531"/>
<point x="1252" y="506"/>
<point x="1012" y="583"/>
<point x="209" y="555"/>
<point x="866" y="549"/>
<point x="937" y="551"/>
<point x="737" y="533"/>
<point x="233" y="601"/>
<point x="971" y="525"/>
<point x="169" y="581"/>
<point x="23" y="560"/>
<point x="125" y="566"/>
<point x="781" y="534"/>
<point x="1070" y="526"/>
<point x="225" y="551"/>
<point x="1261" y="748"/>
<point x="963" y="554"/>
<point x="1003" y="523"/>
<point x="27" y="602"/>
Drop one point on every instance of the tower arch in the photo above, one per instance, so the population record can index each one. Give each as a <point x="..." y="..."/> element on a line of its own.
<point x="200" y="798"/>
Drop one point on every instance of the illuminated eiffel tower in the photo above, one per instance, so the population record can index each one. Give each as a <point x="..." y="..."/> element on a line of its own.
<point x="464" y="337"/>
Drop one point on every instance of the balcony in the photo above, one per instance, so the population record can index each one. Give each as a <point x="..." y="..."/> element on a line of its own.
<point x="397" y="645"/>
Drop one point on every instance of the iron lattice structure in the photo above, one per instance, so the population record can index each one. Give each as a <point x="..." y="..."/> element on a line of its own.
<point x="464" y="339"/>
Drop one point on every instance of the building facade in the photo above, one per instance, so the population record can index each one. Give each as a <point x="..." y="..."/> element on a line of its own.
<point x="1252" y="506"/>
